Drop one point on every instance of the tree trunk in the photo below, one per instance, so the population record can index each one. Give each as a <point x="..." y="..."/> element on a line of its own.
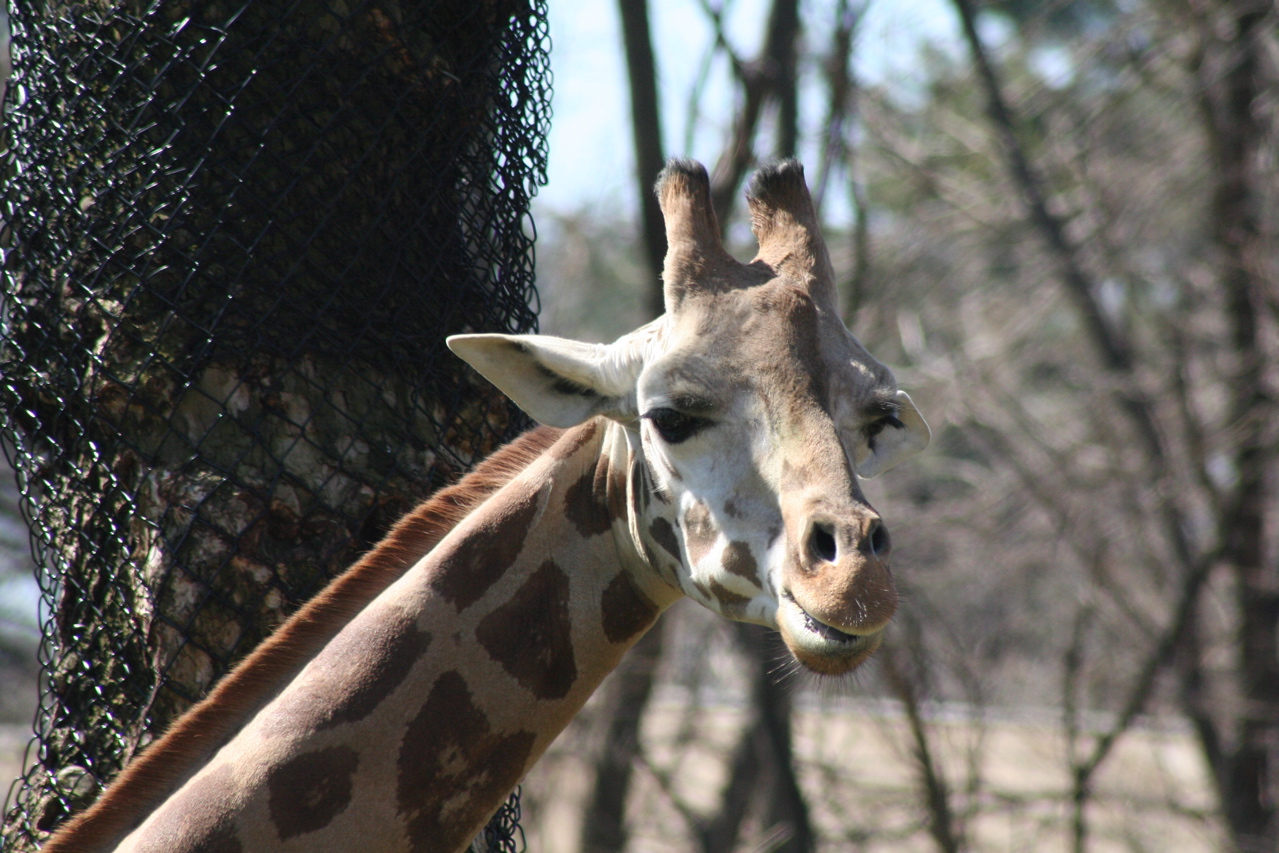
<point x="1231" y="77"/>
<point x="762" y="778"/>
<point x="239" y="249"/>
<point x="646" y="132"/>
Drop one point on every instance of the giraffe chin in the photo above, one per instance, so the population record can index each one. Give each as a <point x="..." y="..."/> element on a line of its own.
<point x="822" y="648"/>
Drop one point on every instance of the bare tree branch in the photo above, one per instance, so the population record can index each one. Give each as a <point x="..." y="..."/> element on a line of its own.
<point x="942" y="824"/>
<point x="646" y="130"/>
<point x="772" y="76"/>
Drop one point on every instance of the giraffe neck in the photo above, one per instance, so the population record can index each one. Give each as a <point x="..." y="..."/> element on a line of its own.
<point x="410" y="727"/>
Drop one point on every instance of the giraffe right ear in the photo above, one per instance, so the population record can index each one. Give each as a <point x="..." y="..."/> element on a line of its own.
<point x="558" y="382"/>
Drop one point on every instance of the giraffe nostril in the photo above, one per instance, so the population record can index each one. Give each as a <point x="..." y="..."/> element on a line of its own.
<point x="822" y="542"/>
<point x="878" y="541"/>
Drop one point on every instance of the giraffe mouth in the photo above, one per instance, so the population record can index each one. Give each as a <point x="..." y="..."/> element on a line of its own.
<point x="822" y="648"/>
<point x="826" y="632"/>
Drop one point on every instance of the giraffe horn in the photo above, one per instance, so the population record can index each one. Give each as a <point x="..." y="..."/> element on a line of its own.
<point x="695" y="257"/>
<point x="785" y="224"/>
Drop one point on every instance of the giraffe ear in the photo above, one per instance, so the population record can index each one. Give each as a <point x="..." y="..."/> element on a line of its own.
<point x="895" y="444"/>
<point x="558" y="382"/>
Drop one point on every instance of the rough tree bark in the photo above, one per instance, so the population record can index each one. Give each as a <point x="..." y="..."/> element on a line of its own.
<point x="225" y="336"/>
<point x="1232" y="75"/>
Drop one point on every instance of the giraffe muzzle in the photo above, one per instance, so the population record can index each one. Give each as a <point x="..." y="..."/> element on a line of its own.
<point x="838" y="594"/>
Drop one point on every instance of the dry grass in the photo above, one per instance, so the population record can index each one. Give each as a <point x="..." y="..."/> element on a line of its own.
<point x="861" y="779"/>
<point x="1009" y="778"/>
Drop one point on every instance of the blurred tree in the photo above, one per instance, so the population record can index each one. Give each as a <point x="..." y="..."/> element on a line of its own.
<point x="1064" y="243"/>
<point x="240" y="234"/>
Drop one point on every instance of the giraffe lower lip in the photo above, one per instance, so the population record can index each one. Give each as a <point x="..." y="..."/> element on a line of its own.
<point x="821" y="629"/>
<point x="827" y="632"/>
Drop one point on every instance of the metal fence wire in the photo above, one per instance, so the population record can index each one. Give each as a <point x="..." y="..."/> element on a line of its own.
<point x="236" y="235"/>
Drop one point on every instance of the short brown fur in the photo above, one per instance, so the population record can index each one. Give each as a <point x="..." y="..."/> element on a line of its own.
<point x="167" y="764"/>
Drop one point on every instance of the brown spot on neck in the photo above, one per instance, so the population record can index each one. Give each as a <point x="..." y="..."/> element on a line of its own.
<point x="664" y="534"/>
<point x="482" y="558"/>
<point x="453" y="769"/>
<point x="531" y="635"/>
<point x="625" y="609"/>
<point x="376" y="660"/>
<point x="730" y="602"/>
<point x="586" y="501"/>
<point x="309" y="790"/>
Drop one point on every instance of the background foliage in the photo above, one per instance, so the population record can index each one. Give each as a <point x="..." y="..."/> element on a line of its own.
<point x="1060" y="232"/>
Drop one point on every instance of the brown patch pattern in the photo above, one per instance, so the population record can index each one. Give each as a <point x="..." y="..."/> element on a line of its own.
<point x="617" y="486"/>
<point x="699" y="531"/>
<point x="309" y="790"/>
<point x="644" y="486"/>
<point x="379" y="659"/>
<point x="158" y="772"/>
<point x="485" y="556"/>
<point x="453" y="769"/>
<point x="625" y="609"/>
<point x="221" y="840"/>
<point x="531" y="635"/>
<point x="663" y="534"/>
<point x="663" y="566"/>
<point x="726" y="597"/>
<point x="586" y="505"/>
<point x="739" y="560"/>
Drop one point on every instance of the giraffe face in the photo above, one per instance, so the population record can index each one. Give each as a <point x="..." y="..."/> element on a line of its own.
<point x="754" y="411"/>
<point x="754" y="425"/>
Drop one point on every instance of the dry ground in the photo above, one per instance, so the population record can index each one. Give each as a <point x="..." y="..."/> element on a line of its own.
<point x="862" y="781"/>
<point x="861" y="778"/>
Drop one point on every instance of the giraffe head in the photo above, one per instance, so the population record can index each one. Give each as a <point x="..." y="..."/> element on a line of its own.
<point x="751" y="412"/>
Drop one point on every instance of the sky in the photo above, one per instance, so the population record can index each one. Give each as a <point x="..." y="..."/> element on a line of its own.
<point x="591" y="159"/>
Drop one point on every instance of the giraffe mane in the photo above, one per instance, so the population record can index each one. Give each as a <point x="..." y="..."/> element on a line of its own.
<point x="167" y="764"/>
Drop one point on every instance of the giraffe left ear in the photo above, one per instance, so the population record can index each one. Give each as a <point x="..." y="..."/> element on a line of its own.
<point x="895" y="444"/>
<point x="558" y="382"/>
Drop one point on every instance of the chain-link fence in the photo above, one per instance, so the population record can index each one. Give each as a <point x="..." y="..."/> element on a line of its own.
<point x="237" y="233"/>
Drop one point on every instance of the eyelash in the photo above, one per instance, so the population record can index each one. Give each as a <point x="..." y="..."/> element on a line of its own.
<point x="675" y="427"/>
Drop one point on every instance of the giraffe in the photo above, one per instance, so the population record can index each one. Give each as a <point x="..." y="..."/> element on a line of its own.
<point x="713" y="453"/>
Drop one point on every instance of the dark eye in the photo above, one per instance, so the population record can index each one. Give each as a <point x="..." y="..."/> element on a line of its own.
<point x="674" y="426"/>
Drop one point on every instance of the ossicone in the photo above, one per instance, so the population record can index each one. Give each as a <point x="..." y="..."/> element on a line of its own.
<point x="784" y="220"/>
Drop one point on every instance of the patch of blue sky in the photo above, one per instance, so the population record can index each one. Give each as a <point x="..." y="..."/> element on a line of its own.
<point x="591" y="157"/>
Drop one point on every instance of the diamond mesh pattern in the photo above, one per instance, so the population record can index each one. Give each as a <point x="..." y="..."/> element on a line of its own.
<point x="236" y="235"/>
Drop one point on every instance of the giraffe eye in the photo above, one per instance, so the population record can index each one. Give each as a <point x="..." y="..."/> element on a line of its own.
<point x="675" y="427"/>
